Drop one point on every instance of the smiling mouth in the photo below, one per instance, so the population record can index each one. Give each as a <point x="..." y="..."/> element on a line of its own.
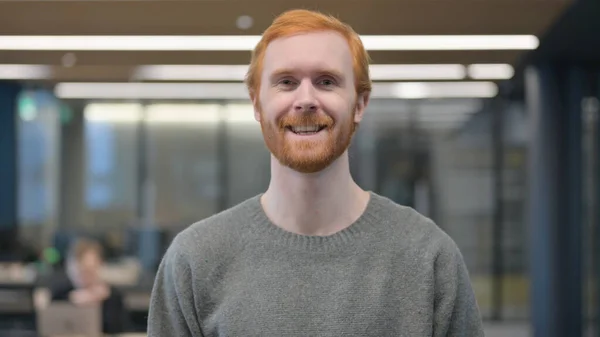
<point x="306" y="130"/>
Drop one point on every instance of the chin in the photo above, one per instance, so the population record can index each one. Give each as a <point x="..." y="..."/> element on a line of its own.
<point x="310" y="168"/>
<point x="309" y="162"/>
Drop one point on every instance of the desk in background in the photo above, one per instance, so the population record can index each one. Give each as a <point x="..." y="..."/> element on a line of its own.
<point x="17" y="310"/>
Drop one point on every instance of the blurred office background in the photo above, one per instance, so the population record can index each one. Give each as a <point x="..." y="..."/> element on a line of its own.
<point x="490" y="129"/>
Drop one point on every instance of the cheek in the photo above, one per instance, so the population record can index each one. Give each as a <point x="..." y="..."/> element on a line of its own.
<point x="273" y="108"/>
<point x="339" y="110"/>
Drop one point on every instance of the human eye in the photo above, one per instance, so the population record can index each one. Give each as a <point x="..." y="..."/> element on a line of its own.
<point x="286" y="83"/>
<point x="327" y="82"/>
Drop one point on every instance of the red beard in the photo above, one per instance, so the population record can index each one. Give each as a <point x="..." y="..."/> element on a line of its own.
<point x="307" y="156"/>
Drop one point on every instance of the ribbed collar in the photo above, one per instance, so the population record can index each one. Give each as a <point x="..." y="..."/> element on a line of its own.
<point x="370" y="222"/>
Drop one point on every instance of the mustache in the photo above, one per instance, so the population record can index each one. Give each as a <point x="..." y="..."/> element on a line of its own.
<point x="305" y="119"/>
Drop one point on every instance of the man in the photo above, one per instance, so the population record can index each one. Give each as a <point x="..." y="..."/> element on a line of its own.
<point x="315" y="255"/>
<point x="84" y="286"/>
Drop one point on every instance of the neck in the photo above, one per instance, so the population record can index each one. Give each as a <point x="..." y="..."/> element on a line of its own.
<point x="321" y="203"/>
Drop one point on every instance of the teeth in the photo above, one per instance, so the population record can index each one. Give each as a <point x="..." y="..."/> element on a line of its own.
<point x="305" y="128"/>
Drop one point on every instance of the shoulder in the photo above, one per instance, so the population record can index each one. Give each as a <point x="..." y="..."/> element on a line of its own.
<point x="414" y="230"/>
<point x="215" y="238"/>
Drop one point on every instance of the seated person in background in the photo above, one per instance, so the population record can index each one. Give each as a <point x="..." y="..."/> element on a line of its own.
<point x="83" y="285"/>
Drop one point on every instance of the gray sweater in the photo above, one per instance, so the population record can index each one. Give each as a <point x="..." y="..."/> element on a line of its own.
<point x="391" y="273"/>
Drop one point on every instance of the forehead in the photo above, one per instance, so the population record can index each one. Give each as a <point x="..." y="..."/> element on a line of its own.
<point x="309" y="52"/>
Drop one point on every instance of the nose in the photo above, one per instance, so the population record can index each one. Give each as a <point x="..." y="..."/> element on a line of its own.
<point x="306" y="100"/>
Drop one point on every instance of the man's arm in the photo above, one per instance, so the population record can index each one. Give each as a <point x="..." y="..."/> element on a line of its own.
<point x="455" y="308"/>
<point x="172" y="309"/>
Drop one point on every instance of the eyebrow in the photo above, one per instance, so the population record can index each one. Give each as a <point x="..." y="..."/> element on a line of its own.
<point x="323" y="71"/>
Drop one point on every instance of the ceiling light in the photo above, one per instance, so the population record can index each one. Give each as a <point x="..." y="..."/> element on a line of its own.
<point x="182" y="113"/>
<point x="113" y="113"/>
<point x="240" y="113"/>
<point x="397" y="72"/>
<point x="24" y="72"/>
<point x="176" y="113"/>
<point x="248" y="42"/>
<point x="490" y="71"/>
<point x="244" y="22"/>
<point x="75" y="90"/>
<point x="190" y="72"/>
<point x="69" y="60"/>
<point x="451" y="42"/>
<point x="378" y="72"/>
<point x="402" y="90"/>
<point x="127" y="43"/>
<point x="424" y="90"/>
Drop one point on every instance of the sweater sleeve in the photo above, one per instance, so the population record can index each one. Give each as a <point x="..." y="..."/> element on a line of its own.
<point x="172" y="309"/>
<point x="455" y="308"/>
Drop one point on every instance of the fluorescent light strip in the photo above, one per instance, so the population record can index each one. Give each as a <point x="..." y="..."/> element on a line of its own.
<point x="378" y="72"/>
<point x="151" y="90"/>
<point x="396" y="72"/>
<point x="190" y="72"/>
<point x="113" y="113"/>
<point x="163" y="114"/>
<point x="194" y="114"/>
<point x="240" y="113"/>
<point x="402" y="90"/>
<point x="25" y="72"/>
<point x="423" y="90"/>
<point x="451" y="42"/>
<point x="248" y="42"/>
<point x="182" y="113"/>
<point x="491" y="71"/>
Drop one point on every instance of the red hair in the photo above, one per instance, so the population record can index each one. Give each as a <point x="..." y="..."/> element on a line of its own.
<point x="300" y="21"/>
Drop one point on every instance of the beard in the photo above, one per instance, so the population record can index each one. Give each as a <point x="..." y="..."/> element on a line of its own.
<point x="310" y="155"/>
